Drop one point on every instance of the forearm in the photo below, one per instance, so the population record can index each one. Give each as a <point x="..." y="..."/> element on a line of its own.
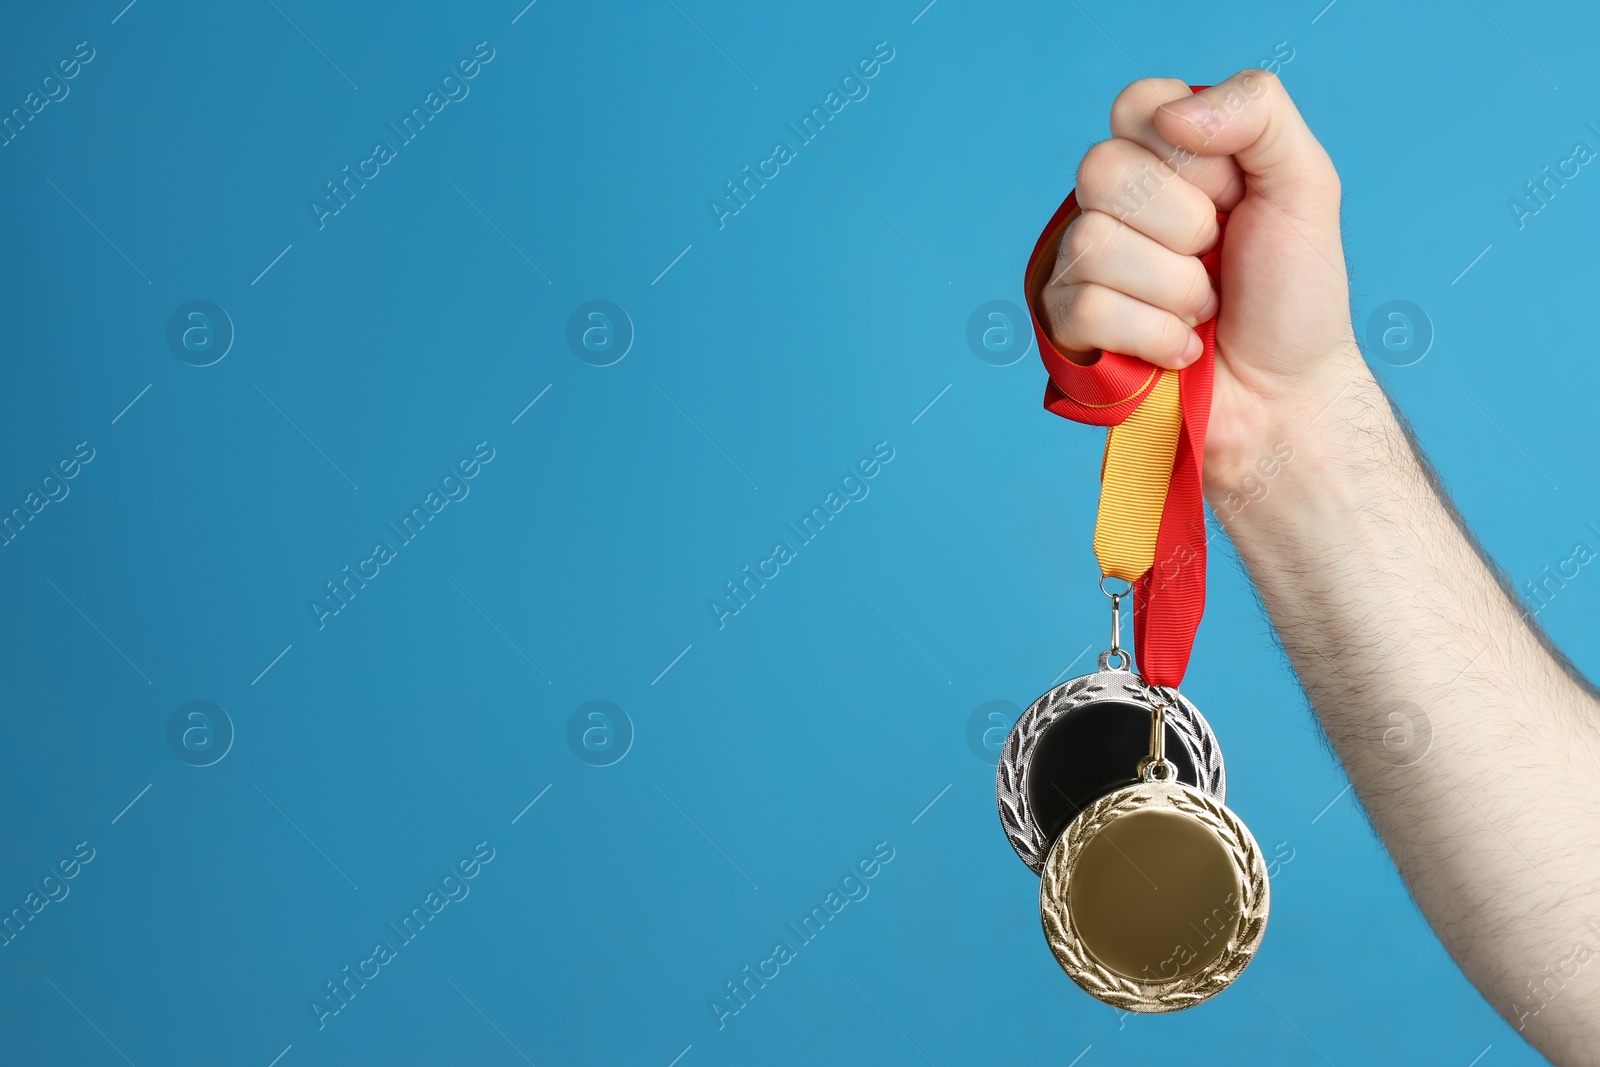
<point x="1384" y="604"/>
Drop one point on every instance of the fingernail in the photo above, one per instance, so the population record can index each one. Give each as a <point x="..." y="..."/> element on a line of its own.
<point x="1195" y="110"/>
<point x="1192" y="350"/>
<point x="1210" y="310"/>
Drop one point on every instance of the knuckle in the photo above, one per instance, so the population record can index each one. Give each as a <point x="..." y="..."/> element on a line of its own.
<point x="1075" y="244"/>
<point x="1080" y="316"/>
<point x="1058" y="311"/>
<point x="1136" y="103"/>
<point x="1092" y="309"/>
<point x="1093" y="231"/>
<point x="1101" y="230"/>
<point x="1097" y="169"/>
<point x="1116" y="178"/>
<point x="1257" y="84"/>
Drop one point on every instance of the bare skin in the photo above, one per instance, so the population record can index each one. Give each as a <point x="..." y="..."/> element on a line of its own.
<point x="1484" y="787"/>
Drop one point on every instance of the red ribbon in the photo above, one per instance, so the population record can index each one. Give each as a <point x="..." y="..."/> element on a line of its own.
<point x="1171" y="596"/>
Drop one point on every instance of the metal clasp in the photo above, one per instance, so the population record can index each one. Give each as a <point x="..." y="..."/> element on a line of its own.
<point x="1156" y="767"/>
<point x="1116" y="651"/>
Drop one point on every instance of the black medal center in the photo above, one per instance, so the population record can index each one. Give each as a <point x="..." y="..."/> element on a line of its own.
<point x="1091" y="752"/>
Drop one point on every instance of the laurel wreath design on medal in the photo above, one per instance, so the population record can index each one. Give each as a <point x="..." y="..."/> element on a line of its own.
<point x="1108" y="684"/>
<point x="1185" y="991"/>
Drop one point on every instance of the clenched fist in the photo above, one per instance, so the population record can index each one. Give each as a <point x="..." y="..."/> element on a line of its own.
<point x="1127" y="278"/>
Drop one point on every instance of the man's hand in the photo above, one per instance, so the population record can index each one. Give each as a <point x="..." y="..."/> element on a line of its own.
<point x="1127" y="280"/>
<point x="1394" y="620"/>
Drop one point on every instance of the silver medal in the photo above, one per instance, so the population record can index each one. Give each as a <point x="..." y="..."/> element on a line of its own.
<point x="1086" y="738"/>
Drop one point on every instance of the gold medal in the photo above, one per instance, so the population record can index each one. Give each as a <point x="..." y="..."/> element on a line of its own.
<point x="1155" y="897"/>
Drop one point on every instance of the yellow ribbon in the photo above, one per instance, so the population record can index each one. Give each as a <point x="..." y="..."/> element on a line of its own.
<point x="1134" y="477"/>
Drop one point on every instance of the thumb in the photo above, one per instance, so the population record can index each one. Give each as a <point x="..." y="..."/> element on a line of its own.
<point x="1251" y="118"/>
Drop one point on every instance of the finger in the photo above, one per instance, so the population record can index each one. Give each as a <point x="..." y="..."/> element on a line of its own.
<point x="1128" y="182"/>
<point x="1098" y="248"/>
<point x="1251" y="118"/>
<point x="1085" y="318"/>
<point x="1133" y="118"/>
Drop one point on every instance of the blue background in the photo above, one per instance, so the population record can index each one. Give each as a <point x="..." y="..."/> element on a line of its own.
<point x="762" y="760"/>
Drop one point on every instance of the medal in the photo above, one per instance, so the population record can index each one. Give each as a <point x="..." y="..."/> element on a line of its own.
<point x="1155" y="897"/>
<point x="1152" y="894"/>
<point x="1087" y="737"/>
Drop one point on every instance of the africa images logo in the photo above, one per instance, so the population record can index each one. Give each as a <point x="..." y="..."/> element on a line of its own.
<point x="852" y="487"/>
<point x="852" y="87"/>
<point x="853" y="887"/>
<point x="453" y="88"/>
<point x="453" y="488"/>
<point x="453" y="888"/>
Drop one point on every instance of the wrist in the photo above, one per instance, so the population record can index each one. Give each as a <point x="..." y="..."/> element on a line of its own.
<point x="1301" y="438"/>
<point x="1325" y="466"/>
